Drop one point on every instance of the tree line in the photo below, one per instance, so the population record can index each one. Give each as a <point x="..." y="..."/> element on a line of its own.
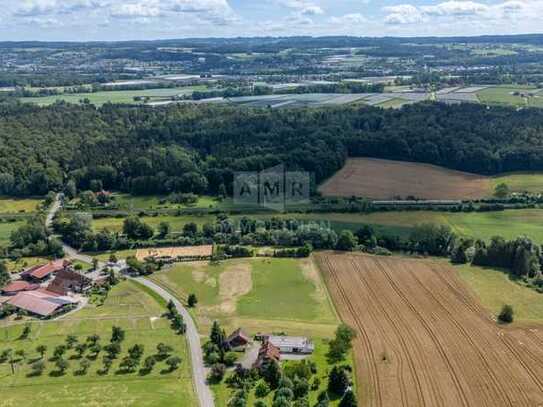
<point x="197" y="149"/>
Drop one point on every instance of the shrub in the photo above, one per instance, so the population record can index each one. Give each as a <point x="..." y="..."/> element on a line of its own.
<point x="506" y="315"/>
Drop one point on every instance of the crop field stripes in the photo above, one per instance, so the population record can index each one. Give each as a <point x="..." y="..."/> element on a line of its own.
<point x="424" y="340"/>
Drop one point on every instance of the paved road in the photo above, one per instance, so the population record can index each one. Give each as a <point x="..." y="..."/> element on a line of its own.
<point x="203" y="391"/>
<point x="198" y="371"/>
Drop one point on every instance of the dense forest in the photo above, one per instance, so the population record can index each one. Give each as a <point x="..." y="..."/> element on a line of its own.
<point x="188" y="148"/>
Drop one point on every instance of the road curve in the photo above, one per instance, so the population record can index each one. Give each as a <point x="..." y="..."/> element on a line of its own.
<point x="203" y="391"/>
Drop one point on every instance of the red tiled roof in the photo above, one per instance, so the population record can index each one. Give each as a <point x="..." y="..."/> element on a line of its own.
<point x="269" y="351"/>
<point x="39" y="302"/>
<point x="19" y="285"/>
<point x="44" y="270"/>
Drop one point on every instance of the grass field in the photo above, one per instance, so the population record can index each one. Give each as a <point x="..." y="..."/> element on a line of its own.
<point x="176" y="222"/>
<point x="521" y="182"/>
<point x="393" y="103"/>
<point x="6" y="228"/>
<point x="503" y="95"/>
<point x="131" y="202"/>
<point x="494" y="288"/>
<point x="18" y="205"/>
<point x="257" y="294"/>
<point x="113" y="96"/>
<point x="128" y="307"/>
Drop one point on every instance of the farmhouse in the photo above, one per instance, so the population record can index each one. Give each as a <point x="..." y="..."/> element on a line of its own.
<point x="40" y="273"/>
<point x="18" y="286"/>
<point x="68" y="281"/>
<point x="42" y="303"/>
<point x="292" y="344"/>
<point x="173" y="254"/>
<point x="267" y="353"/>
<point x="238" y="340"/>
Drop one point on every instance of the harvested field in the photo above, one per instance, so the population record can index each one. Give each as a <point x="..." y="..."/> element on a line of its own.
<point x="386" y="179"/>
<point x="425" y="340"/>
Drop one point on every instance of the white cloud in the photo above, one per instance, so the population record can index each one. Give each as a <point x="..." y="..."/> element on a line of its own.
<point x="132" y="10"/>
<point x="459" y="10"/>
<point x="349" y="19"/>
<point x="31" y="8"/>
<point x="305" y="7"/>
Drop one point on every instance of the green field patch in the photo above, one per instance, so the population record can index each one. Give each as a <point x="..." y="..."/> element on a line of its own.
<point x="6" y="227"/>
<point x="531" y="182"/>
<point x="113" y="96"/>
<point x="19" y="205"/>
<point x="127" y="306"/>
<point x="392" y="103"/>
<point x="176" y="222"/>
<point x="495" y="288"/>
<point x="257" y="294"/>
<point x="505" y="95"/>
<point x="154" y="202"/>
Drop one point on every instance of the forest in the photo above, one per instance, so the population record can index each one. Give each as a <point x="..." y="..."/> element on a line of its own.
<point x="197" y="148"/>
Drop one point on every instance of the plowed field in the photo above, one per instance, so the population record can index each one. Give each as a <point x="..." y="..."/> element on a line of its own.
<point x="424" y="340"/>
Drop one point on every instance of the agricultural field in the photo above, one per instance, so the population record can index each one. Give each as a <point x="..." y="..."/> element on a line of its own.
<point x="127" y="306"/>
<point x="113" y="96"/>
<point x="262" y="294"/>
<point x="506" y="95"/>
<point x="425" y="340"/>
<point x="19" y="205"/>
<point x="153" y="202"/>
<point x="521" y="182"/>
<point x="386" y="179"/>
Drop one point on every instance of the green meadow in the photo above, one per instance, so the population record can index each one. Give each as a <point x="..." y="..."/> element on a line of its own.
<point x="504" y="95"/>
<point x="6" y="228"/>
<point x="521" y="181"/>
<point x="113" y="96"/>
<point x="494" y="288"/>
<point x="127" y="306"/>
<point x="257" y="294"/>
<point x="18" y="205"/>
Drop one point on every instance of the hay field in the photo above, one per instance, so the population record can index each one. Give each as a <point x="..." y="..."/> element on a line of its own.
<point x="425" y="340"/>
<point x="386" y="179"/>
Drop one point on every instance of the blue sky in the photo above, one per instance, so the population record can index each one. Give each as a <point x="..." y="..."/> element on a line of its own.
<point x="83" y="20"/>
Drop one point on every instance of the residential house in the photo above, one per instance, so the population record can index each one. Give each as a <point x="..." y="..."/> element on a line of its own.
<point x="68" y="281"/>
<point x="18" y="286"/>
<point x="266" y="354"/>
<point x="292" y="344"/>
<point x="238" y="340"/>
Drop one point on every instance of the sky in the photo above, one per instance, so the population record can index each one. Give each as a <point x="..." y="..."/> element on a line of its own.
<point x="112" y="20"/>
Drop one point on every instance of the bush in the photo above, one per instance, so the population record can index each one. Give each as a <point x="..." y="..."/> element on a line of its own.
<point x="262" y="389"/>
<point x="230" y="358"/>
<point x="506" y="315"/>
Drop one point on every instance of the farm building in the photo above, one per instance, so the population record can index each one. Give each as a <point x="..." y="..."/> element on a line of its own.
<point x="68" y="281"/>
<point x="173" y="254"/>
<point x="238" y="340"/>
<point x="42" y="303"/>
<point x="42" y="272"/>
<point x="291" y="344"/>
<point x="18" y="286"/>
<point x="267" y="353"/>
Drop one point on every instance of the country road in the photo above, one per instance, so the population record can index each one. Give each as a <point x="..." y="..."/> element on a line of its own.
<point x="205" y="397"/>
<point x="198" y="371"/>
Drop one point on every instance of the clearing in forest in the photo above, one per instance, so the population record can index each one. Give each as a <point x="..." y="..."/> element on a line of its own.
<point x="425" y="340"/>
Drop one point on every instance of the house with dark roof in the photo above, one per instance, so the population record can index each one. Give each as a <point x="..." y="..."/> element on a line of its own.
<point x="68" y="281"/>
<point x="267" y="353"/>
<point x="42" y="303"/>
<point x="18" y="286"/>
<point x="238" y="340"/>
<point x="42" y="272"/>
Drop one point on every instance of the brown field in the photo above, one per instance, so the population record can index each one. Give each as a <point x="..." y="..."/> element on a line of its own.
<point x="424" y="340"/>
<point x="385" y="179"/>
<point x="175" y="252"/>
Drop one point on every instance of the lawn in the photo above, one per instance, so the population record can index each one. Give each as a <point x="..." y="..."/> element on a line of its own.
<point x="494" y="288"/>
<point x="256" y="294"/>
<point x="392" y="103"/>
<point x="127" y="306"/>
<point x="18" y="205"/>
<point x="113" y="96"/>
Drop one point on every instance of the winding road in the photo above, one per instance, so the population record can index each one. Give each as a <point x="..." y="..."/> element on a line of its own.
<point x="203" y="392"/>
